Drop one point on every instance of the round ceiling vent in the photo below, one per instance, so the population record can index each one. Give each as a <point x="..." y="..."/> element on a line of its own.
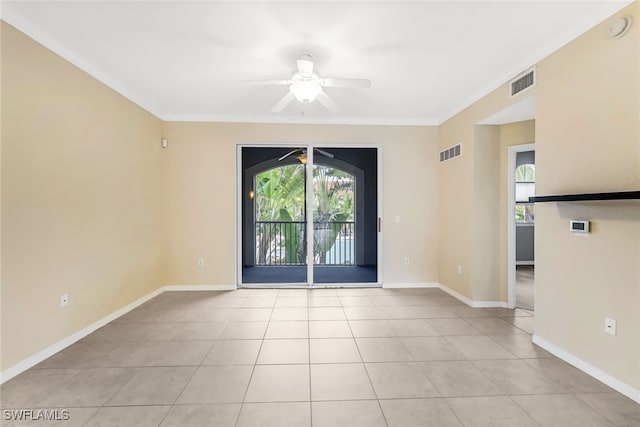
<point x="620" y="27"/>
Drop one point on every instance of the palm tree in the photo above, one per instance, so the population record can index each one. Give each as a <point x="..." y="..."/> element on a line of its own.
<point x="333" y="205"/>
<point x="280" y="197"/>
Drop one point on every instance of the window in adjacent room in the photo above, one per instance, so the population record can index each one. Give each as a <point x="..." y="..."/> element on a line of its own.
<point x="525" y="188"/>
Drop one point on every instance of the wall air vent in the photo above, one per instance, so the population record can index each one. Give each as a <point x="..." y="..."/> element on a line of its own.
<point x="523" y="82"/>
<point x="450" y="153"/>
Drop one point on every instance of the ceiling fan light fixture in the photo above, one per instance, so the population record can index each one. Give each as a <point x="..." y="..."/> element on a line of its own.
<point x="306" y="86"/>
<point x="305" y="90"/>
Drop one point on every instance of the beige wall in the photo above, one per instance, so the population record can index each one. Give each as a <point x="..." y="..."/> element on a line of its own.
<point x="487" y="226"/>
<point x="81" y="199"/>
<point x="588" y="140"/>
<point x="91" y="206"/>
<point x="587" y="136"/>
<point x="486" y="213"/>
<point x="202" y="196"/>
<point x="470" y="200"/>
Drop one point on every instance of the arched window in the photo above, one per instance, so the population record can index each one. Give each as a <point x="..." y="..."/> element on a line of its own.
<point x="280" y="216"/>
<point x="333" y="216"/>
<point x="526" y="173"/>
<point x="280" y="193"/>
<point x="525" y="188"/>
<point x="279" y="220"/>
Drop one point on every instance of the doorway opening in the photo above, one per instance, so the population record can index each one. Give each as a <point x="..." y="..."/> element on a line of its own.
<point x="521" y="226"/>
<point x="309" y="216"/>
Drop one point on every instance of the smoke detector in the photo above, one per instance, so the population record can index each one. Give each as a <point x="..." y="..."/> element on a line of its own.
<point x="620" y="27"/>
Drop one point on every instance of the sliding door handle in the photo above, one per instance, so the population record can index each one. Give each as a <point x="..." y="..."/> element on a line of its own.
<point x="379" y="224"/>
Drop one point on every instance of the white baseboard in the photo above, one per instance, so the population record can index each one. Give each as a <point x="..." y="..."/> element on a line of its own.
<point x="66" y="342"/>
<point x="31" y="361"/>
<point x="470" y="302"/>
<point x="629" y="391"/>
<point x="457" y="295"/>
<point x="409" y="285"/>
<point x="172" y="288"/>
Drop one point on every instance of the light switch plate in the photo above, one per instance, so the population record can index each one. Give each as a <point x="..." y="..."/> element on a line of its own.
<point x="610" y="326"/>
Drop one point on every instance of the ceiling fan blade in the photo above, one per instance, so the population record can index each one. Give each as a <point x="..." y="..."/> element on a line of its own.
<point x="289" y="153"/>
<point x="324" y="153"/>
<point x="328" y="103"/>
<point x="353" y="83"/>
<point x="282" y="104"/>
<point x="305" y="65"/>
<point x="265" y="82"/>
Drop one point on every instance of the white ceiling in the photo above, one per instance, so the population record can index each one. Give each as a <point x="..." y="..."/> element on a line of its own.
<point x="426" y="60"/>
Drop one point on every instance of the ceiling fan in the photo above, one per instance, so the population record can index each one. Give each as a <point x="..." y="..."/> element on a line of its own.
<point x="306" y="86"/>
<point x="302" y="157"/>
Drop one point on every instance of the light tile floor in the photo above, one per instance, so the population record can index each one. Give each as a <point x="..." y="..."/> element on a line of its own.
<point x="323" y="357"/>
<point x="525" y="282"/>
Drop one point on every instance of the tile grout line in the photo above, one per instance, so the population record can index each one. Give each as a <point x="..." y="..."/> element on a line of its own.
<point x="446" y="402"/>
<point x="435" y="386"/>
<point x="195" y="371"/>
<point x="577" y="395"/>
<point x="309" y="341"/>
<point x="510" y="397"/>
<point x="253" y="369"/>
<point x="467" y="320"/>
<point x="364" y="365"/>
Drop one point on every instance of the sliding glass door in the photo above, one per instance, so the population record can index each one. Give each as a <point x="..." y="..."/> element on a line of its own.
<point x="307" y="218"/>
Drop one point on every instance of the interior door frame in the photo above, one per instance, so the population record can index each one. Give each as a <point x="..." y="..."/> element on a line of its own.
<point x="239" y="219"/>
<point x="513" y="150"/>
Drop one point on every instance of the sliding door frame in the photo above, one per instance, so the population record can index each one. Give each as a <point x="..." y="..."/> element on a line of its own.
<point x="309" y="194"/>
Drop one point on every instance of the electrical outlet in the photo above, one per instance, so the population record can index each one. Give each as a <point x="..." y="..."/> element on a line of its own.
<point x="459" y="269"/>
<point x="200" y="262"/>
<point x="64" y="300"/>
<point x="397" y="219"/>
<point x="610" y="326"/>
<point x="407" y="261"/>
